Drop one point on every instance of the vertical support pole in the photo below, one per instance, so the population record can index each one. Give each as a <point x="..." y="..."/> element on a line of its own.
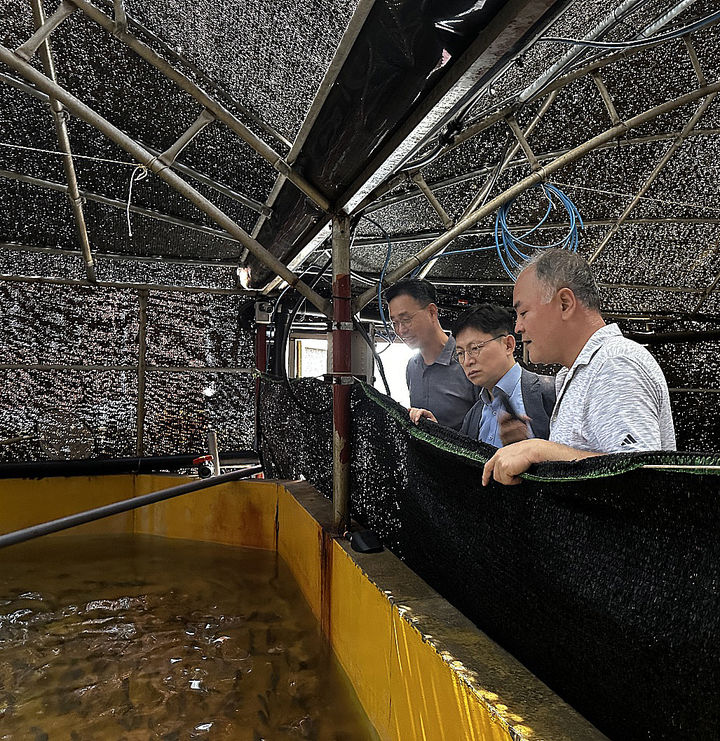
<point x="342" y="367"/>
<point x="213" y="450"/>
<point x="261" y="365"/>
<point x="142" y="351"/>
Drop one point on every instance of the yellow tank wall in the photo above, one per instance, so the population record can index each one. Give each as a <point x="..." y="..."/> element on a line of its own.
<point x="375" y="612"/>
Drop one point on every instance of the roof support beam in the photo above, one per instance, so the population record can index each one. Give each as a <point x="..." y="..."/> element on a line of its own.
<point x="79" y="109"/>
<point x="605" y="95"/>
<point x="532" y="180"/>
<point x="43" y="30"/>
<point x="374" y="205"/>
<point x="120" y="16"/>
<point x="173" y="152"/>
<point x="219" y="111"/>
<point x="555" y="226"/>
<point x="548" y="84"/>
<point x="419" y="180"/>
<point x="134" y="286"/>
<point x="120" y="205"/>
<point x="58" y="113"/>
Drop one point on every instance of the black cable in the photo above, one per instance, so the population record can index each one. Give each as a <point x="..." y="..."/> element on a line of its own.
<point x="376" y="355"/>
<point x="281" y="346"/>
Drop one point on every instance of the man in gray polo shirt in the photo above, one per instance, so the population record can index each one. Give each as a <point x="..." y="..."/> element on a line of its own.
<point x="434" y="377"/>
<point x="611" y="394"/>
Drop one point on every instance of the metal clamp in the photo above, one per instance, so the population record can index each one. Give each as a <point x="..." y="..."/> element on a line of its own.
<point x="344" y="326"/>
<point x="339" y="378"/>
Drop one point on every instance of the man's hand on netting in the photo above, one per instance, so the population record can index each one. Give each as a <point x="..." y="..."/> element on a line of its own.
<point x="417" y="414"/>
<point x="512" y="429"/>
<point x="508" y="463"/>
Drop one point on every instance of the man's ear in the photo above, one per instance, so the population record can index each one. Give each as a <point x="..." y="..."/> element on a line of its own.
<point x="433" y="309"/>
<point x="568" y="302"/>
<point x="510" y="343"/>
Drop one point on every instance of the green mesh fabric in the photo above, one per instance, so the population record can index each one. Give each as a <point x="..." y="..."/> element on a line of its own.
<point x="602" y="577"/>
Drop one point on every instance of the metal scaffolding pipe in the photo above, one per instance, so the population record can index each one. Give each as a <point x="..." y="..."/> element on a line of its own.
<point x="132" y="286"/>
<point x="419" y="180"/>
<point x="27" y="50"/>
<point x="342" y="368"/>
<point x="63" y="523"/>
<point x="82" y="111"/>
<point x="120" y="205"/>
<point x="173" y="152"/>
<point x="689" y="126"/>
<point x="218" y="110"/>
<point x="58" y="113"/>
<point x="535" y="179"/>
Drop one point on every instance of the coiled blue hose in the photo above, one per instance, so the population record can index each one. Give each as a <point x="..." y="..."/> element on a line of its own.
<point x="509" y="246"/>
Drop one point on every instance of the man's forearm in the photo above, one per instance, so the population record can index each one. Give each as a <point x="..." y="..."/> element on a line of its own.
<point x="546" y="450"/>
<point x="509" y="462"/>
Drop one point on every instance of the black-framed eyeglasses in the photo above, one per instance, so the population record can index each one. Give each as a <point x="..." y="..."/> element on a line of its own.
<point x="474" y="350"/>
<point x="404" y="322"/>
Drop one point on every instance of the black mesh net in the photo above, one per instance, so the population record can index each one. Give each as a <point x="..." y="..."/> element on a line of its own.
<point x="70" y="365"/>
<point x="600" y="576"/>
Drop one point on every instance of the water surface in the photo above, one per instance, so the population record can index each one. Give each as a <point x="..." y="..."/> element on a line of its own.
<point x="137" y="637"/>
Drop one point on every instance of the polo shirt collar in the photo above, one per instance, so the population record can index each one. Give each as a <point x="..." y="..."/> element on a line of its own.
<point x="446" y="356"/>
<point x="595" y="341"/>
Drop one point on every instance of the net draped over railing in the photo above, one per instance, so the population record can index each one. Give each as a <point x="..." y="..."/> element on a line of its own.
<point x="602" y="576"/>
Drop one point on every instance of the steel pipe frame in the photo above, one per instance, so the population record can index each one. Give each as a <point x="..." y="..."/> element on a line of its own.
<point x="218" y="110"/>
<point x="558" y="84"/>
<point x="509" y="284"/>
<point x="342" y="369"/>
<point x="689" y="126"/>
<point x="225" y="190"/>
<point x="419" y="180"/>
<point x="377" y="205"/>
<point x="130" y="286"/>
<point x="172" y="53"/>
<point x="486" y="231"/>
<point x="122" y="206"/>
<point x="535" y="179"/>
<point x="152" y="163"/>
<point x="360" y="14"/>
<point x="44" y="28"/>
<point x="58" y="114"/>
<point x="129" y="368"/>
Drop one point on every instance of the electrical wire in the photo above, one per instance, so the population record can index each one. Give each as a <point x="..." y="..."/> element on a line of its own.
<point x="376" y="354"/>
<point x="390" y="334"/>
<point x="668" y="36"/>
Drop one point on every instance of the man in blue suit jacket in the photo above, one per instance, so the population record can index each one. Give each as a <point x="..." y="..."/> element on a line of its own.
<point x="485" y="348"/>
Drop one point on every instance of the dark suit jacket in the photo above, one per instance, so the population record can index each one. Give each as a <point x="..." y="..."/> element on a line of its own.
<point x="538" y="393"/>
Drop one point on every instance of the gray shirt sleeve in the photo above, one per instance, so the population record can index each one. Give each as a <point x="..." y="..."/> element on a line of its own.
<point x="622" y="410"/>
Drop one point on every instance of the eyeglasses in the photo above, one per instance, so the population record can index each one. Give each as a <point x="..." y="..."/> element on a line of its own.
<point x="405" y="322"/>
<point x="474" y="350"/>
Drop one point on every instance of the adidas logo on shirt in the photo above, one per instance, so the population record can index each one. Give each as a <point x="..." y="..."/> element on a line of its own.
<point x="629" y="440"/>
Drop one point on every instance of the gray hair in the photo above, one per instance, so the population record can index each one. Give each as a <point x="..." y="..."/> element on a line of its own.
<point x="556" y="269"/>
